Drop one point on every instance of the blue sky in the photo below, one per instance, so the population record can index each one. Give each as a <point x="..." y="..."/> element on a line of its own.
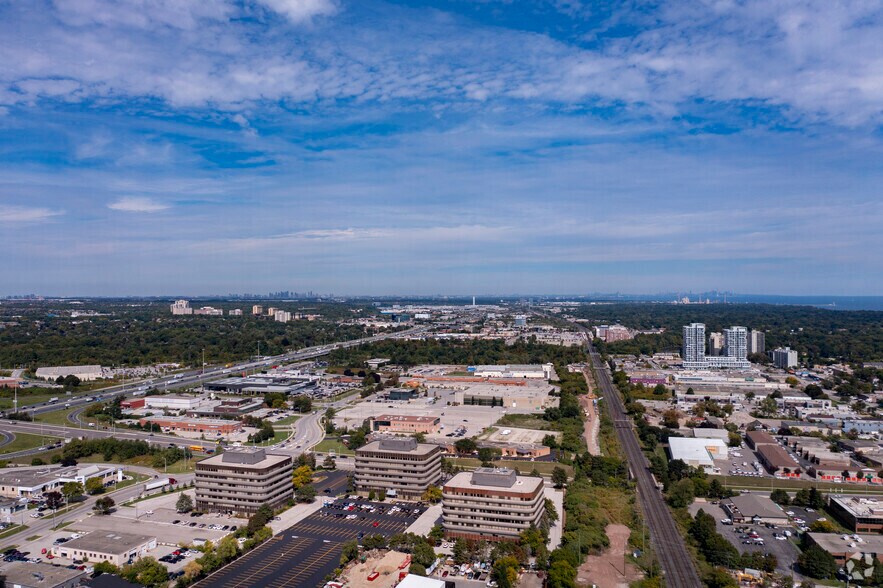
<point x="451" y="147"/>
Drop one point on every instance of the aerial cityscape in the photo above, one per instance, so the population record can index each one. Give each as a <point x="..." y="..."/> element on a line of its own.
<point x="441" y="294"/>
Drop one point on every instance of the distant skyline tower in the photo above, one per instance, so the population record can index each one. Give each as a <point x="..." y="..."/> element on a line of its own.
<point x="473" y="301"/>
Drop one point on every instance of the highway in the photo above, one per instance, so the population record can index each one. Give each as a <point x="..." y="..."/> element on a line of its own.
<point x="676" y="563"/>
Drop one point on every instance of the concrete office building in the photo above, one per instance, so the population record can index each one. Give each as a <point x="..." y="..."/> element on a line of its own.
<point x="282" y="316"/>
<point x="491" y="504"/>
<point x="180" y="307"/>
<point x="21" y="574"/>
<point x="114" y="547"/>
<point x="844" y="547"/>
<point x="387" y="423"/>
<point x="862" y="514"/>
<point x="398" y="467"/>
<point x="34" y="481"/>
<point x="784" y="358"/>
<point x="693" y="350"/>
<point x="241" y="480"/>
<point x="756" y="342"/>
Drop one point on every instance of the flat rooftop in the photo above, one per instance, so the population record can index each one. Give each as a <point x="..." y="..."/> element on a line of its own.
<point x="480" y="478"/>
<point x="835" y="543"/>
<point x="29" y="477"/>
<point x="255" y="460"/>
<point x="403" y="418"/>
<point x="22" y="573"/>
<point x="108" y="542"/>
<point x="751" y="505"/>
<point x="859" y="506"/>
<point x="404" y="445"/>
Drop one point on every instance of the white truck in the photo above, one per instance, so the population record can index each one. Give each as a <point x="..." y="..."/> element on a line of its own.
<point x="53" y="400"/>
<point x="158" y="483"/>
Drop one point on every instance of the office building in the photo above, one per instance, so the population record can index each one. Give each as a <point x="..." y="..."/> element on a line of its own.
<point x="241" y="480"/>
<point x="34" y="481"/>
<point x="235" y="312"/>
<point x="861" y="514"/>
<point x="22" y="574"/>
<point x="399" y="467"/>
<point x="715" y="343"/>
<point x="491" y="504"/>
<point x="114" y="547"/>
<point x="209" y="311"/>
<point x="409" y="424"/>
<point x="544" y="371"/>
<point x="520" y="320"/>
<point x="784" y="358"/>
<point x="173" y="402"/>
<point x="845" y="547"/>
<point x="180" y="307"/>
<point x="257" y="310"/>
<point x="754" y="508"/>
<point x="693" y="350"/>
<point x="699" y="453"/>
<point x="756" y="342"/>
<point x="193" y="425"/>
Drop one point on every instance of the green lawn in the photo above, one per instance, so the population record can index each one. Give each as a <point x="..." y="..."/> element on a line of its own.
<point x="526" y="421"/>
<point x="12" y="531"/>
<point x="59" y="417"/>
<point x="328" y="445"/>
<point x="25" y="441"/>
<point x="742" y="483"/>
<point x="287" y="420"/>
<point x="182" y="466"/>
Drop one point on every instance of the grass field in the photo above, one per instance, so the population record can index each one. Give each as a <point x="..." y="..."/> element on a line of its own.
<point x="525" y="467"/>
<point x="182" y="466"/>
<point x="59" y="417"/>
<point x="286" y="421"/>
<point x="770" y="484"/>
<point x="25" y="441"/>
<point x="526" y="421"/>
<point x="327" y="445"/>
<point x="12" y="531"/>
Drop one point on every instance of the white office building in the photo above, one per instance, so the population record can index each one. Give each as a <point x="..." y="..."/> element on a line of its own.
<point x="784" y="358"/>
<point x="181" y="307"/>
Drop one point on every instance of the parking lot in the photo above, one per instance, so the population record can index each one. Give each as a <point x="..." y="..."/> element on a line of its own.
<point x="305" y="553"/>
<point x="785" y="550"/>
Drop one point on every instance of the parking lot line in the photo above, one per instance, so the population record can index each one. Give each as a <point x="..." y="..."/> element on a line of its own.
<point x="315" y="561"/>
<point x="274" y="561"/>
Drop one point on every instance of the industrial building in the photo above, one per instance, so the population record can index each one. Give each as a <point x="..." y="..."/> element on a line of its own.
<point x="114" y="547"/>
<point x="491" y="504"/>
<point x="544" y="371"/>
<point x="34" y="481"/>
<point x="241" y="480"/>
<point x="699" y="453"/>
<point x="398" y="466"/>
<point x="386" y="423"/>
<point x="507" y="396"/>
<point x="86" y="373"/>
<point x="254" y="385"/>
<point x="844" y="547"/>
<point x="862" y="514"/>
<point x="173" y="402"/>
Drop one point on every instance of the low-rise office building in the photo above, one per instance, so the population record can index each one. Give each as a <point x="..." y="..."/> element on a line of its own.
<point x="748" y="508"/>
<point x="173" y="402"/>
<point x="21" y="574"/>
<point x="398" y="467"/>
<point x="491" y="504"/>
<point x="35" y="481"/>
<point x="387" y="423"/>
<point x="241" y="480"/>
<point x="699" y="453"/>
<point x="189" y="425"/>
<point x="844" y="547"/>
<point x="862" y="514"/>
<point x="114" y="547"/>
<point x="544" y="371"/>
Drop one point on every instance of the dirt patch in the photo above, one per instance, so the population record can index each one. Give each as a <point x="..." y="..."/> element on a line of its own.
<point x="610" y="570"/>
<point x="591" y="426"/>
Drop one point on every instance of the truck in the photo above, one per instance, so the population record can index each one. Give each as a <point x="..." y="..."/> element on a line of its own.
<point x="53" y="400"/>
<point x="158" y="483"/>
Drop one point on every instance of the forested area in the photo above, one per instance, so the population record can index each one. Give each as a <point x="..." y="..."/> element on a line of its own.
<point x="40" y="333"/>
<point x="821" y="334"/>
<point x="469" y="352"/>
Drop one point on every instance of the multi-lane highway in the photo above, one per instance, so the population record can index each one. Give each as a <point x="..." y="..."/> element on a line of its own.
<point x="674" y="559"/>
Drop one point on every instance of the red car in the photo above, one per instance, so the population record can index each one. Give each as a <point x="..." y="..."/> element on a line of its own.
<point x="375" y="524"/>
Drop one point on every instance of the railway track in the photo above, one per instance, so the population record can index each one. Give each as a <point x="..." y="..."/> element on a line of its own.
<point x="676" y="563"/>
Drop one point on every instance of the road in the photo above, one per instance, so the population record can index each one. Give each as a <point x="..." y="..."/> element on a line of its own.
<point x="675" y="561"/>
<point x="192" y="377"/>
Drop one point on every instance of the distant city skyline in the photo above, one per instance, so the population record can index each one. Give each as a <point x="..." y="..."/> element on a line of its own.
<point x="422" y="147"/>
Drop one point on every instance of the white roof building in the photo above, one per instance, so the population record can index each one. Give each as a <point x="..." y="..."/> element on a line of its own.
<point x="699" y="453"/>
<point x="86" y="373"/>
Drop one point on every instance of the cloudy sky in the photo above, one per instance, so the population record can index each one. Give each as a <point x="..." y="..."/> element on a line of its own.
<point x="446" y="146"/>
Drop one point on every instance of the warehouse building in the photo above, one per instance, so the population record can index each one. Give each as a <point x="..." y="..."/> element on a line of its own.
<point x="86" y="373"/>
<point x="755" y="439"/>
<point x="398" y="466"/>
<point x="844" y="547"/>
<point x="506" y="396"/>
<point x="699" y="453"/>
<point x="775" y="459"/>
<point x="240" y="481"/>
<point x="188" y="425"/>
<point x="491" y="504"/>
<point x="754" y="508"/>
<point x="544" y="371"/>
<point x="173" y="402"/>
<point x="110" y="546"/>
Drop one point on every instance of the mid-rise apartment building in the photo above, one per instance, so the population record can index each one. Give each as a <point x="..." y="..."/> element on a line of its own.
<point x="240" y="481"/>
<point x="784" y="358"/>
<point x="179" y="307"/>
<point x="693" y="350"/>
<point x="491" y="504"/>
<point x="756" y="342"/>
<point x="399" y="467"/>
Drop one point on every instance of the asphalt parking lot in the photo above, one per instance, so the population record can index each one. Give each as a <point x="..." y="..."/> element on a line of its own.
<point x="302" y="555"/>
<point x="331" y="483"/>
<point x="786" y="551"/>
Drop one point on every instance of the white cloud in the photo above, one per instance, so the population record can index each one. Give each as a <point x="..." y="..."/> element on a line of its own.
<point x="137" y="204"/>
<point x="24" y="214"/>
<point x="299" y="11"/>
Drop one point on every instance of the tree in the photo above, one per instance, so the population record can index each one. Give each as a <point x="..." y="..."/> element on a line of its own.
<point x="780" y="496"/>
<point x="436" y="534"/>
<point x="801" y="498"/>
<point x="734" y="439"/>
<point x="466" y="445"/>
<point x="681" y="493"/>
<point x="54" y="500"/>
<point x="433" y="494"/>
<point x="768" y="407"/>
<point x="505" y="572"/>
<point x="329" y="463"/>
<point x="559" y="476"/>
<point x="192" y="570"/>
<point x="305" y="493"/>
<point x="72" y="490"/>
<point x="302" y="476"/>
<point x="487" y="455"/>
<point x="461" y="551"/>
<point x="146" y="571"/>
<point x="104" y="505"/>
<point x="550" y="441"/>
<point x="562" y="574"/>
<point x="670" y="419"/>
<point x="816" y="498"/>
<point x="105" y="567"/>
<point x="349" y="552"/>
<point x="823" y="527"/>
<point x="817" y="563"/>
<point x="228" y="548"/>
<point x="719" y="578"/>
<point x="37" y="462"/>
<point x="660" y="390"/>
<point x="185" y="503"/>
<point x="94" y="486"/>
